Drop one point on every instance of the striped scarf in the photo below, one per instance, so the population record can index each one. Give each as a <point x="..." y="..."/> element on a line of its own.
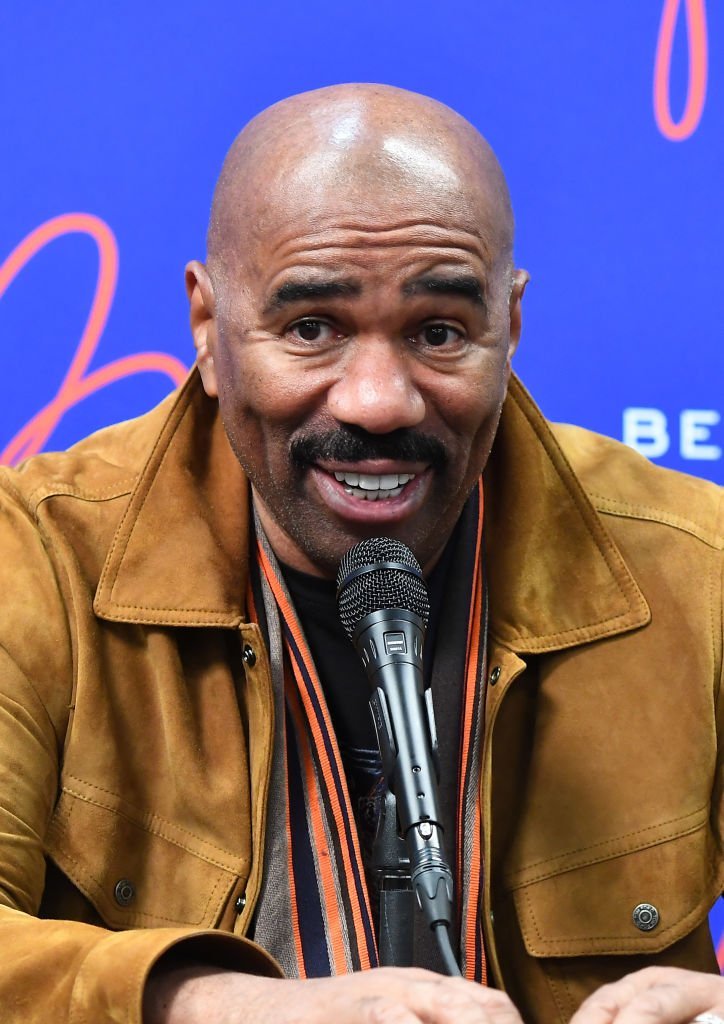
<point x="314" y="912"/>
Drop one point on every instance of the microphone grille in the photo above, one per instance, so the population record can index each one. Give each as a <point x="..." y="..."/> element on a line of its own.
<point x="380" y="586"/>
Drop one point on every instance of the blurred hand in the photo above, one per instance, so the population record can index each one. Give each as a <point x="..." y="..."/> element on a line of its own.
<point x="656" y="995"/>
<point x="387" y="995"/>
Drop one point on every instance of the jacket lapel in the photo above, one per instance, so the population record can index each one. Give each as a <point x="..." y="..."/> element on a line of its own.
<point x="556" y="577"/>
<point x="180" y="554"/>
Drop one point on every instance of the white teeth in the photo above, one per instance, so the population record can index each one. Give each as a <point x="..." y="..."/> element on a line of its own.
<point x="373" y="486"/>
<point x="347" y="478"/>
<point x="374" y="481"/>
<point x="373" y="495"/>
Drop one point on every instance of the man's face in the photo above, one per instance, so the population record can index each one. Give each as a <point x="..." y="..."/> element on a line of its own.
<point x="361" y="361"/>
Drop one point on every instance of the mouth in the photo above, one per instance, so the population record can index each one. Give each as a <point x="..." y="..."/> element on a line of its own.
<point x="373" y="486"/>
<point x="372" y="493"/>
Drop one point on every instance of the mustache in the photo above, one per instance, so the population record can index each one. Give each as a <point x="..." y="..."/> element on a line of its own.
<point x="350" y="444"/>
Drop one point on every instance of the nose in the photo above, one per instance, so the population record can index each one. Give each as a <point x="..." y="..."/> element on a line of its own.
<point x="375" y="389"/>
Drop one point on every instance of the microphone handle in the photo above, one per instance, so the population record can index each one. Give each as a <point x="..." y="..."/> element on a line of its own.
<point x="390" y="644"/>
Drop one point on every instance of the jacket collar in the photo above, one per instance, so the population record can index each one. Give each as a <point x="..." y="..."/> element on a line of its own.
<point x="180" y="554"/>
<point x="556" y="577"/>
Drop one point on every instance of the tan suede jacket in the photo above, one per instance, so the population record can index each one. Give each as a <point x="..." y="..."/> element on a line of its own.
<point x="135" y="740"/>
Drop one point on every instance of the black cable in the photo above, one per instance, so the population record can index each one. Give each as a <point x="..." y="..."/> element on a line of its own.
<point x="443" y="941"/>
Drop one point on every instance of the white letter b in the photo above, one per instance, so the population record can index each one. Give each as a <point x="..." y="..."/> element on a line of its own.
<point x="645" y="430"/>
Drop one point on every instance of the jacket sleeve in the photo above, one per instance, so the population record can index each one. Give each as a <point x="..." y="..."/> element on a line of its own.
<point x="54" y="970"/>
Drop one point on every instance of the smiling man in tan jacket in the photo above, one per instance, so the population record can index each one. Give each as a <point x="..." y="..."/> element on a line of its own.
<point x="174" y="748"/>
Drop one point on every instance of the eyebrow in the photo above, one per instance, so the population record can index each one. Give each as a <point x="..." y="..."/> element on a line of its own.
<point x="299" y="291"/>
<point x="465" y="286"/>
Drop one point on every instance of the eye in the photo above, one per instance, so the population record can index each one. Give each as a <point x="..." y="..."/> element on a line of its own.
<point x="437" y="335"/>
<point x="312" y="330"/>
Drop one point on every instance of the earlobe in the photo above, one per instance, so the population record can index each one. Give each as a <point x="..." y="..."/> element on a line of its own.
<point x="203" y="325"/>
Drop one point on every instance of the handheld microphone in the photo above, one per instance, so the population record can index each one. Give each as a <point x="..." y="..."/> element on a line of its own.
<point x="384" y="608"/>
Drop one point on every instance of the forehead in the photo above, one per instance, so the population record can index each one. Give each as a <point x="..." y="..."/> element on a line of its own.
<point x="331" y="205"/>
<point x="355" y="257"/>
<point x="348" y="262"/>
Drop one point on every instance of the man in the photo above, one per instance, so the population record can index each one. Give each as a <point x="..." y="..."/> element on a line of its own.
<point x="179" y="751"/>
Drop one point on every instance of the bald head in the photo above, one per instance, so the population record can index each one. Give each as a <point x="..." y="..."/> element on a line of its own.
<point x="326" y="153"/>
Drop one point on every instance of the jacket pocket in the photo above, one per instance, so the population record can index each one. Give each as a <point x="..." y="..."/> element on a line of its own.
<point x="583" y="903"/>
<point x="139" y="871"/>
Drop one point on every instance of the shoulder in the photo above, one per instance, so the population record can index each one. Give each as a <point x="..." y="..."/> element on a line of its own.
<point x="103" y="466"/>
<point x="624" y="484"/>
<point x="59" y="511"/>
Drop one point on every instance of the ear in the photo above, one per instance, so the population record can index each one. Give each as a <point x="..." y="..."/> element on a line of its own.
<point x="203" y="323"/>
<point x="520" y="280"/>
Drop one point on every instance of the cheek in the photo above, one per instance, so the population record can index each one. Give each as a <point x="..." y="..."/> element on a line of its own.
<point x="262" y="383"/>
<point x="262" y="405"/>
<point x="471" y="402"/>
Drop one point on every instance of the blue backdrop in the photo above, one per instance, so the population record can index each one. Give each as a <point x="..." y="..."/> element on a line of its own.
<point x="607" y="117"/>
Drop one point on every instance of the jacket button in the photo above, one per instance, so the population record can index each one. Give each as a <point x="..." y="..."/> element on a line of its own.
<point x="645" y="917"/>
<point x="248" y="656"/>
<point x="494" y="675"/>
<point x="240" y="903"/>
<point x="124" y="892"/>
